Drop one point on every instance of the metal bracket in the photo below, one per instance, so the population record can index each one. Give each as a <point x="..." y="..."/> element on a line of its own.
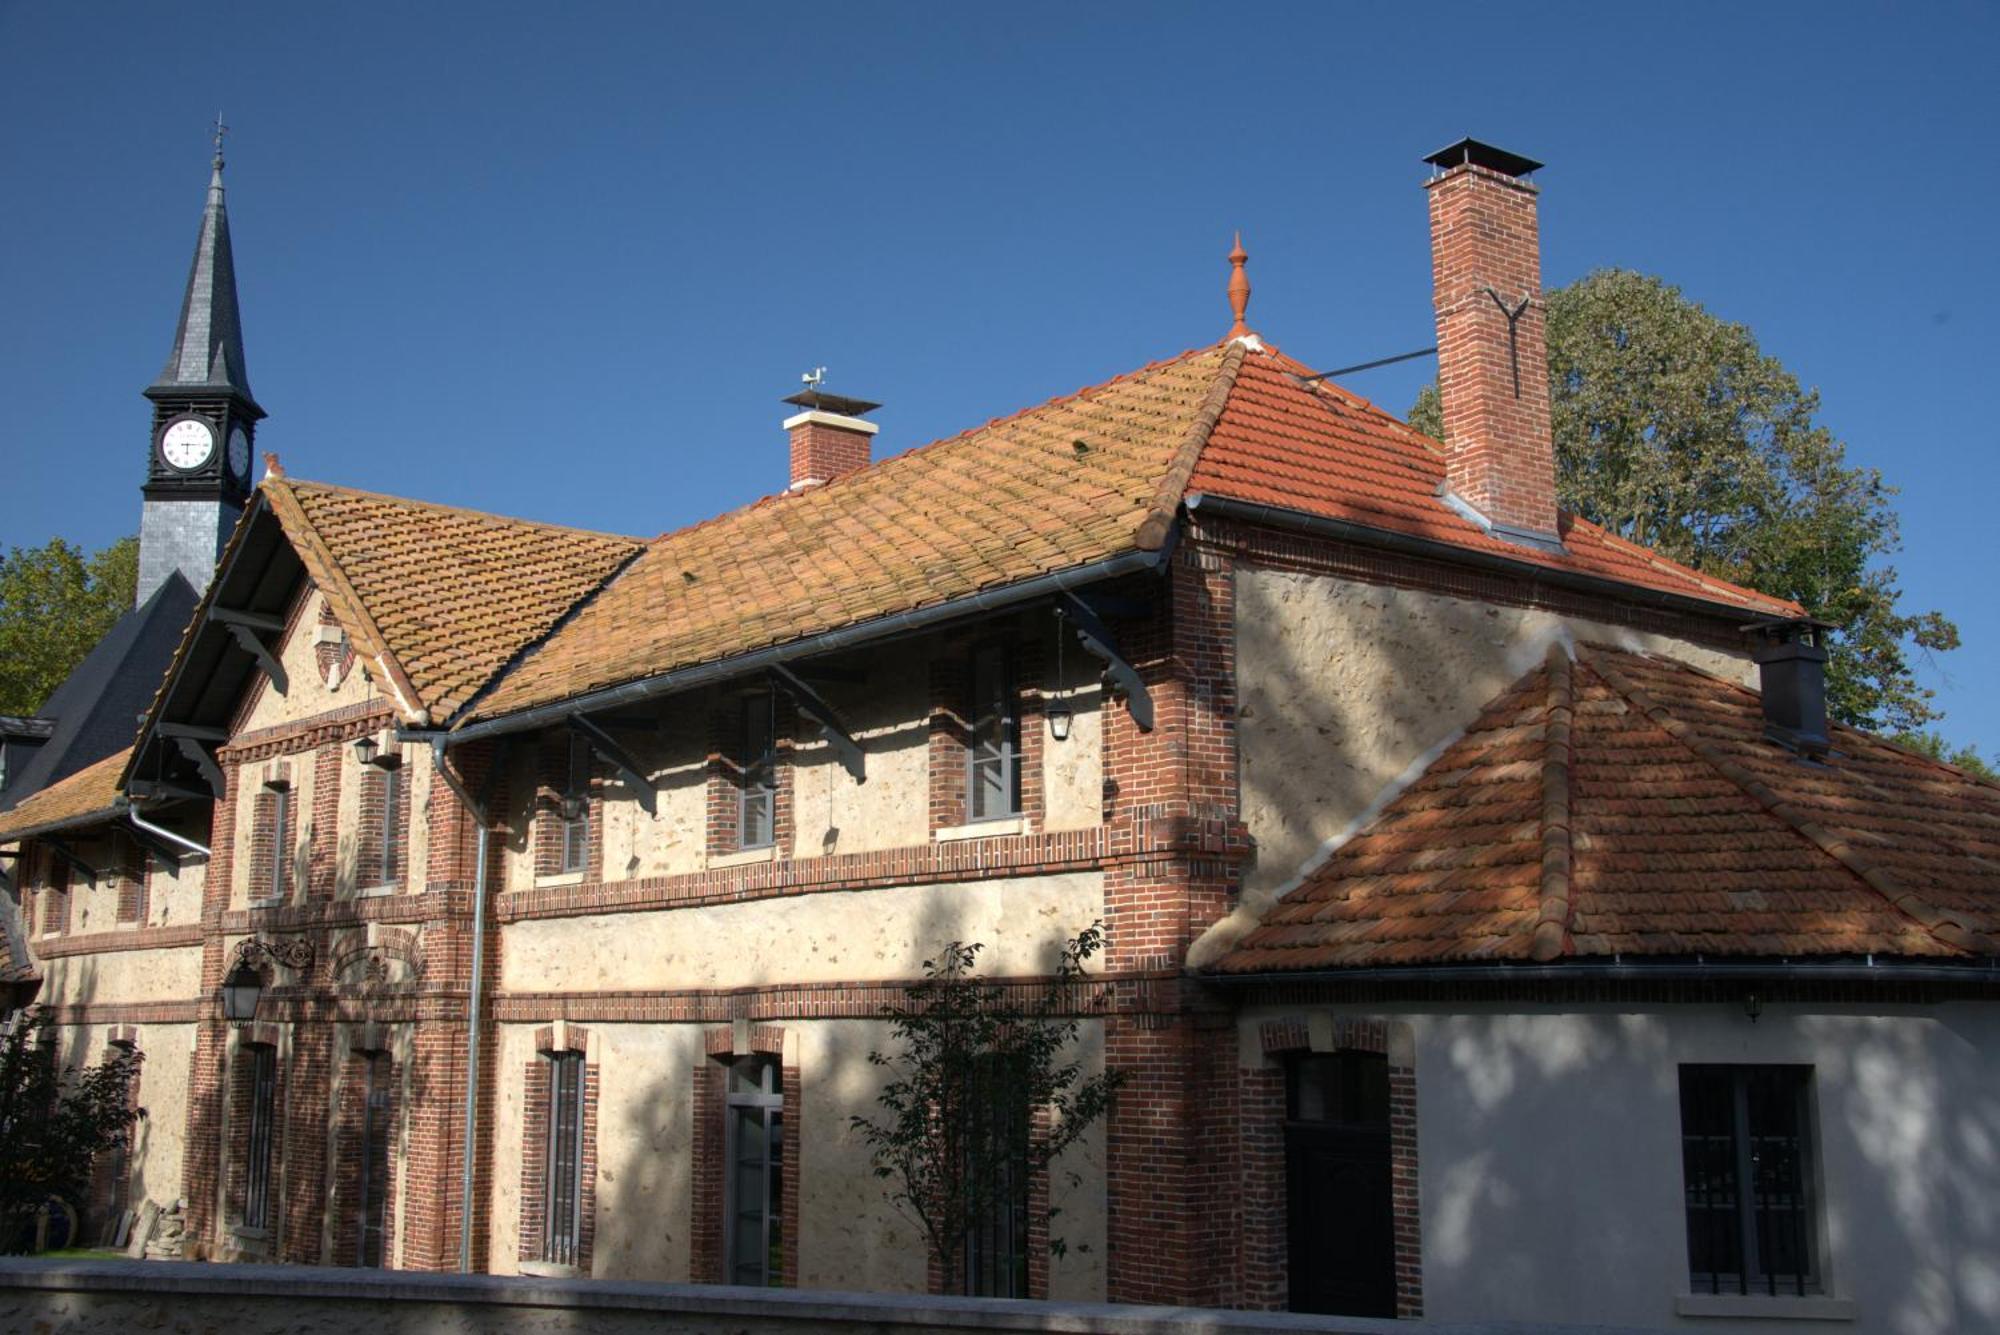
<point x="829" y="719"/>
<point x="602" y="742"/>
<point x="296" y="954"/>
<point x="1096" y="640"/>
<point x="68" y="854"/>
<point x="243" y="626"/>
<point x="189" y="739"/>
<point x="1513" y="315"/>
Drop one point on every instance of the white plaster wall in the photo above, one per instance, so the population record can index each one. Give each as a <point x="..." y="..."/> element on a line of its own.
<point x="1342" y="685"/>
<point x="674" y="837"/>
<point x="830" y="937"/>
<point x="173" y="892"/>
<point x="122" y="976"/>
<point x="1551" y="1178"/>
<point x="1073" y="770"/>
<point x="889" y="715"/>
<point x="850" y="1237"/>
<point x="159" y="1133"/>
<point x="645" y="1121"/>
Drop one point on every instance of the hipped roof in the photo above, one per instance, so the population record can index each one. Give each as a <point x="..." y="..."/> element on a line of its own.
<point x="1627" y="805"/>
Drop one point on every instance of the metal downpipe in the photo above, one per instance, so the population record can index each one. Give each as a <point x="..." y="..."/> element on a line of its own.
<point x="472" y="1043"/>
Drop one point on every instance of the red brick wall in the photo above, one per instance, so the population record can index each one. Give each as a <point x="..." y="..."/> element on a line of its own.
<point x="552" y="771"/>
<point x="1500" y="453"/>
<point x="304" y="1113"/>
<point x="728" y="759"/>
<point x="822" y="452"/>
<point x="131" y="863"/>
<point x="324" y="831"/>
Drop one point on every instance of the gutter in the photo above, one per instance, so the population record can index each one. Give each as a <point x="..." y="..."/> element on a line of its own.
<point x="1387" y="539"/>
<point x="845" y="637"/>
<point x="97" y="817"/>
<point x="1888" y="971"/>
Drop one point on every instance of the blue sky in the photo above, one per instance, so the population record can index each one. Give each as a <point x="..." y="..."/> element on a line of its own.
<point x="562" y="260"/>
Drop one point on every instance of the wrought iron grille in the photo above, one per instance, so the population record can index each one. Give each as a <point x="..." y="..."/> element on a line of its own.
<point x="996" y="1145"/>
<point x="1747" y="1163"/>
<point x="263" y="1113"/>
<point x="562" y="1226"/>
<point x="374" y="1194"/>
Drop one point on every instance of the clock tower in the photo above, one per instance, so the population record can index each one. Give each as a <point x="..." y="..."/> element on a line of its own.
<point x="204" y="418"/>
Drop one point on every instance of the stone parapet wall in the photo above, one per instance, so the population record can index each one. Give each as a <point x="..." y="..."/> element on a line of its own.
<point x="116" y="1297"/>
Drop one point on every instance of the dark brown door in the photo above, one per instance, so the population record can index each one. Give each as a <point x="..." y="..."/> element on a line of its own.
<point x="1339" y="1220"/>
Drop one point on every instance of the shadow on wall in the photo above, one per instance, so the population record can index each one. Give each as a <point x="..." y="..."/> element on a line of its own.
<point x="1552" y="1173"/>
<point x="851" y="1237"/>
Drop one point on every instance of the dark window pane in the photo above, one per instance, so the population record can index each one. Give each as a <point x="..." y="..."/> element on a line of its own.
<point x="1351" y="1088"/>
<point x="281" y="802"/>
<point x="997" y="1177"/>
<point x="1747" y="1171"/>
<point x="263" y="1061"/>
<point x="562" y="1222"/>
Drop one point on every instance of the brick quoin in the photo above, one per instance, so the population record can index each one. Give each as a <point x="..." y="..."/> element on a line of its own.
<point x="202" y="1157"/>
<point x="1171" y="802"/>
<point x="1500" y="452"/>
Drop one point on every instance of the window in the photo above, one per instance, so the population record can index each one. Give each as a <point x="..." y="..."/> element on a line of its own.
<point x="373" y="1198"/>
<point x="993" y="778"/>
<point x="281" y="811"/>
<point x="562" y="1224"/>
<point x="996" y="1177"/>
<point x="1339" y="1173"/>
<point x="756" y="812"/>
<point x="754" y="1163"/>
<point x="574" y="813"/>
<point x="263" y="1059"/>
<point x="389" y="864"/>
<point x="1746" y="1158"/>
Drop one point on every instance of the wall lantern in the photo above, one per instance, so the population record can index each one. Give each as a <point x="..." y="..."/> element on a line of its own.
<point x="570" y="808"/>
<point x="1060" y="715"/>
<point x="1753" y="1006"/>
<point x="244" y="986"/>
<point x="365" y="748"/>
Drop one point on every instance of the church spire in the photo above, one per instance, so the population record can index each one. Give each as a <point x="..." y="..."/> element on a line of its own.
<point x="208" y="345"/>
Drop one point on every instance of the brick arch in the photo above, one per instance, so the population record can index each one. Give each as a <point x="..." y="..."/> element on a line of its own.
<point x="709" y="1085"/>
<point x="1266" y="1282"/>
<point x="395" y="942"/>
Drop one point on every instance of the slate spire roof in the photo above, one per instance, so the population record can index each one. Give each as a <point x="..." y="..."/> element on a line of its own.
<point x="208" y="343"/>
<point x="1627" y="805"/>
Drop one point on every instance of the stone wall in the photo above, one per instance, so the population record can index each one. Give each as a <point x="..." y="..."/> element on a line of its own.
<point x="115" y="1298"/>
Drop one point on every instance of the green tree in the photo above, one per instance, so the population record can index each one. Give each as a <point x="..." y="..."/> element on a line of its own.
<point x="55" y="604"/>
<point x="957" y="1137"/>
<point x="53" y="1121"/>
<point x="1673" y="429"/>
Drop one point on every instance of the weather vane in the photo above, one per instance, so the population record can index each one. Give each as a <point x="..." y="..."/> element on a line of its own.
<point x="220" y="130"/>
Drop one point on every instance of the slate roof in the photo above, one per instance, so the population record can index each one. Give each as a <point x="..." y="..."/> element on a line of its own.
<point x="97" y="707"/>
<point x="1626" y="804"/>
<point x="208" y="342"/>
<point x="444" y="597"/>
<point x="89" y="793"/>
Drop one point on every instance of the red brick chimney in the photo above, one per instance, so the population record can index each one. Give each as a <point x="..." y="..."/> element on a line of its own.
<point x="829" y="439"/>
<point x="1493" y="376"/>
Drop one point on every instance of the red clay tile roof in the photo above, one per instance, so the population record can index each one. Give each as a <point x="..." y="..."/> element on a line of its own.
<point x="1630" y="805"/>
<point x="443" y="598"/>
<point x="1322" y="451"/>
<point x="1074" y="481"/>
<point x="90" y="791"/>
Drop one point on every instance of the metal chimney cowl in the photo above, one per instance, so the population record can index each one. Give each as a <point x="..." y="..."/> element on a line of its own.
<point x="1791" y="663"/>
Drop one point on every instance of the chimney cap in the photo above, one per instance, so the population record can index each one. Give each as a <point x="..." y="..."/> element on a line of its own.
<point x="821" y="401"/>
<point x="1473" y="152"/>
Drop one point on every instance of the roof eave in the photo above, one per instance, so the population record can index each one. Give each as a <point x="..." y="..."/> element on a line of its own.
<point x="1985" y="970"/>
<point x="111" y="813"/>
<point x="843" y="637"/>
<point x="1411" y="545"/>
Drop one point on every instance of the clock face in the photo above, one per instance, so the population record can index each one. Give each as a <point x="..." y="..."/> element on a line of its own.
<point x="239" y="453"/>
<point x="188" y="443"/>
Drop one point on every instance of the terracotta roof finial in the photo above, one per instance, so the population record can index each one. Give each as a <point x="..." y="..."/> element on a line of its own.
<point x="272" y="468"/>
<point x="1239" y="288"/>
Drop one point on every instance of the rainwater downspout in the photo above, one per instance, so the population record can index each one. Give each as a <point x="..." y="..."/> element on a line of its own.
<point x="141" y="823"/>
<point x="471" y="1126"/>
